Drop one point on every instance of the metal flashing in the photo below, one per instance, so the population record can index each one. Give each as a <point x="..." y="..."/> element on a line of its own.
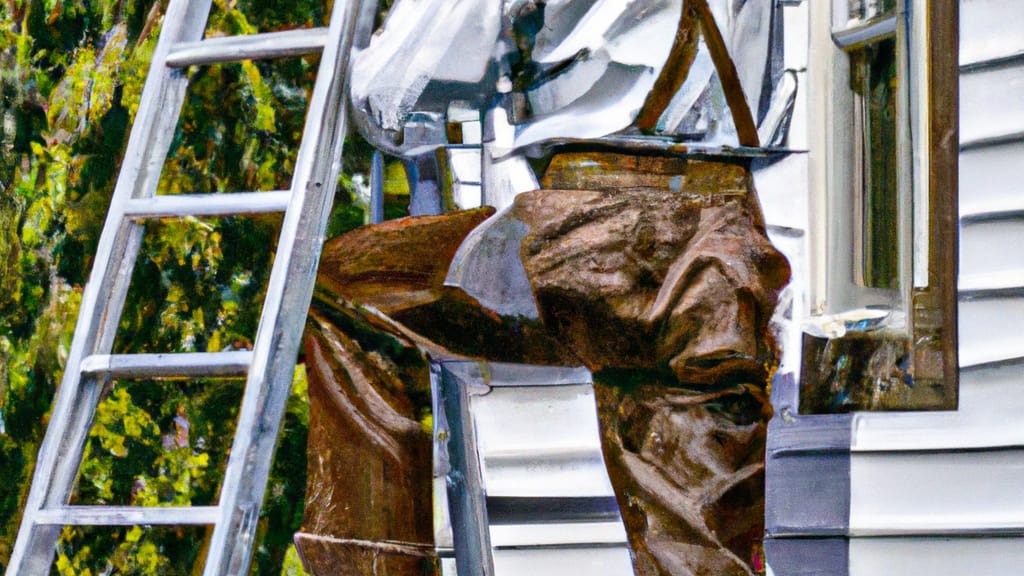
<point x="808" y="556"/>
<point x="807" y="485"/>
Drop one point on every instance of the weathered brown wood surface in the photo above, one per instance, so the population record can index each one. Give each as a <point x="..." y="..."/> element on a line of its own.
<point x="655" y="273"/>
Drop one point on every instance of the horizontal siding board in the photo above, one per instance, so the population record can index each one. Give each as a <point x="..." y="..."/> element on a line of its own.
<point x="597" y="561"/>
<point x="990" y="328"/>
<point x="990" y="178"/>
<point x="992" y="246"/>
<point x="936" y="556"/>
<point x="558" y="454"/>
<point x="990" y="30"/>
<point x="991" y="103"/>
<point x="991" y="404"/>
<point x="963" y="492"/>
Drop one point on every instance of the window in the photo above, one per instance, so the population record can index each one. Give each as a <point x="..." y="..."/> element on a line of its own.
<point x="873" y="81"/>
<point x="881" y="333"/>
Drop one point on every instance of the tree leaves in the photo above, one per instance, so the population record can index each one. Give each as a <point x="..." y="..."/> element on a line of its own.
<point x="86" y="91"/>
<point x="71" y="77"/>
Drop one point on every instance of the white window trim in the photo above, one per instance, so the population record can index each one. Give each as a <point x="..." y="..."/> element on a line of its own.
<point x="832" y="158"/>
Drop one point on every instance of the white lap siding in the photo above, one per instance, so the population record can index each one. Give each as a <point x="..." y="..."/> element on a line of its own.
<point x="942" y="493"/>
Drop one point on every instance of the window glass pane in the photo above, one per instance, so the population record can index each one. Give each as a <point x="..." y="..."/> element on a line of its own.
<point x="868" y="9"/>
<point x="859" y="357"/>
<point x="873" y="79"/>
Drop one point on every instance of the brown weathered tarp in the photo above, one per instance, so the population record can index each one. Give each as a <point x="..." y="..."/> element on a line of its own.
<point x="368" y="499"/>
<point x="656" y="273"/>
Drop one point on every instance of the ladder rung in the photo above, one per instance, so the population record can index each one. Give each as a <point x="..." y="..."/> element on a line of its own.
<point x="180" y="365"/>
<point x="249" y="47"/>
<point x="127" y="515"/>
<point x="225" y="204"/>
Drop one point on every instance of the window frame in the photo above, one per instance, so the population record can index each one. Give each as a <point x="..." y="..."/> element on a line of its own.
<point x="926" y="33"/>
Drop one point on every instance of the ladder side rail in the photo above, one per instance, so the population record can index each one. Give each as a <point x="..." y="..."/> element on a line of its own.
<point x="74" y="425"/>
<point x="289" y="293"/>
<point x="160" y="104"/>
<point x="60" y="452"/>
<point x="115" y="262"/>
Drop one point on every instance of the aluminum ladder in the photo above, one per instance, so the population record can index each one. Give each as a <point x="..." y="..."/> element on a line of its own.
<point x="268" y="367"/>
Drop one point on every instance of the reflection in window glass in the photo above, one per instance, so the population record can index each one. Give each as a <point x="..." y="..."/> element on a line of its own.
<point x="873" y="81"/>
<point x="868" y="9"/>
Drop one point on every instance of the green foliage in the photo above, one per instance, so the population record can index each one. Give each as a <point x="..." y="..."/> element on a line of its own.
<point x="292" y="564"/>
<point x="71" y="78"/>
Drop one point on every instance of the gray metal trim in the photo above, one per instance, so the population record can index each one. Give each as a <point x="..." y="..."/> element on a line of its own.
<point x="513" y="510"/>
<point x="500" y="374"/>
<point x="807" y="455"/>
<point x="366" y="19"/>
<point x="808" y="494"/>
<point x="467" y="500"/>
<point x="867" y="32"/>
<point x="377" y="188"/>
<point x="808" y="556"/>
